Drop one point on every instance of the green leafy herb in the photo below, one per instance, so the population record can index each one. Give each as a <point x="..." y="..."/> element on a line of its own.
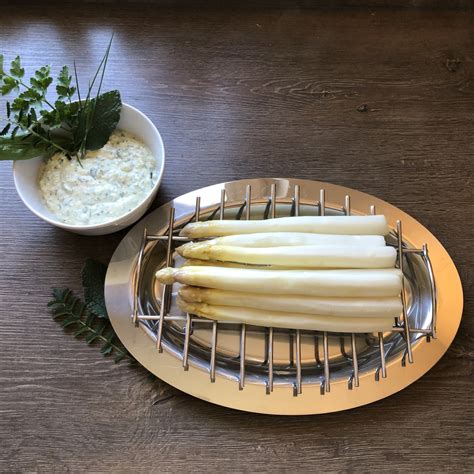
<point x="89" y="319"/>
<point x="73" y="313"/>
<point x="34" y="126"/>
<point x="16" y="70"/>
<point x="21" y="147"/>
<point x="63" y="86"/>
<point x="93" y="279"/>
<point x="104" y="119"/>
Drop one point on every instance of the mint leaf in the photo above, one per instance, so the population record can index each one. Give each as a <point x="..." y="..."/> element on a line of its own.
<point x="2" y="71"/>
<point x="104" y="119"/>
<point x="93" y="280"/>
<point x="16" y="70"/>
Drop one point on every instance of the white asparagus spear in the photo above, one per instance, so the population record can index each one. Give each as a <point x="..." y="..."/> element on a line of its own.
<point x="336" y="307"/>
<point x="194" y="262"/>
<point x="308" y="256"/>
<point x="290" y="239"/>
<point x="286" y="320"/>
<point x="327" y="283"/>
<point x="353" y="225"/>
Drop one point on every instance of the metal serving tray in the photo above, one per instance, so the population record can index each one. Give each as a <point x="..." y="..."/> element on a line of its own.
<point x="270" y="370"/>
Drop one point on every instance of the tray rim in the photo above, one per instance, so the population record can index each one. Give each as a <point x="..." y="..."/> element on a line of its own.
<point x="253" y="398"/>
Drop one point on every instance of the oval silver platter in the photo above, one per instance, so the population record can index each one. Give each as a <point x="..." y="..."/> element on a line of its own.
<point x="310" y="372"/>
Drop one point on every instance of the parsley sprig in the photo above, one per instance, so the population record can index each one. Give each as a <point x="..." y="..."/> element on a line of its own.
<point x="34" y="126"/>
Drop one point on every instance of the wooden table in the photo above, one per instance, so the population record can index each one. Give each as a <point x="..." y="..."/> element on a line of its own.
<point x="374" y="99"/>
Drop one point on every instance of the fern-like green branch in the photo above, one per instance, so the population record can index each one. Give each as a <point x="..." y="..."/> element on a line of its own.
<point x="71" y="312"/>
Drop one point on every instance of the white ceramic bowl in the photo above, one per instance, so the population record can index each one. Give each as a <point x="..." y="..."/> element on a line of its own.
<point x="25" y="174"/>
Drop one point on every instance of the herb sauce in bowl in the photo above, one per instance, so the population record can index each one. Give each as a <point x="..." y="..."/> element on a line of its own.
<point x="111" y="181"/>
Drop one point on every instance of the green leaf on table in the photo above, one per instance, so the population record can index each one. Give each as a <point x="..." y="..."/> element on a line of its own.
<point x="2" y="70"/>
<point x="93" y="280"/>
<point x="98" y="119"/>
<point x="16" y="70"/>
<point x="71" y="312"/>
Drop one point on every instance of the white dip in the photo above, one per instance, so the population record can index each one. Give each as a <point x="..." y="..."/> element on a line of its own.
<point x="110" y="182"/>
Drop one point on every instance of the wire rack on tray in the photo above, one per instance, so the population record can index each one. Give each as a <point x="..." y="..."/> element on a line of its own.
<point x="402" y="325"/>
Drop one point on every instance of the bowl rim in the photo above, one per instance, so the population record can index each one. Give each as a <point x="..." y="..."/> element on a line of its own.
<point x="117" y="220"/>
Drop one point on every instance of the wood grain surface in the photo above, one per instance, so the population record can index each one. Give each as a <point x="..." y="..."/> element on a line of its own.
<point x="365" y="98"/>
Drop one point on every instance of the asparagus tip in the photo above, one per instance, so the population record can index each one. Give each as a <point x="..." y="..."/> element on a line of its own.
<point x="198" y="250"/>
<point x="187" y="230"/>
<point x="190" y="294"/>
<point x="185" y="306"/>
<point x="166" y="275"/>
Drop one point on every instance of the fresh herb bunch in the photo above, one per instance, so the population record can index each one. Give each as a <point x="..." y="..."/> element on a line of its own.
<point x="72" y="125"/>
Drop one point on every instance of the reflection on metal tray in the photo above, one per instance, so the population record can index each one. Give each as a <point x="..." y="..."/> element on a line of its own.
<point x="275" y="363"/>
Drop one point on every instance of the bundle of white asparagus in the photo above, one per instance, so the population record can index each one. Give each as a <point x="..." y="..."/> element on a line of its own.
<point x="316" y="273"/>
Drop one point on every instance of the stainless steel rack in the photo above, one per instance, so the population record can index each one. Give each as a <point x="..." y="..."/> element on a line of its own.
<point x="169" y="236"/>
